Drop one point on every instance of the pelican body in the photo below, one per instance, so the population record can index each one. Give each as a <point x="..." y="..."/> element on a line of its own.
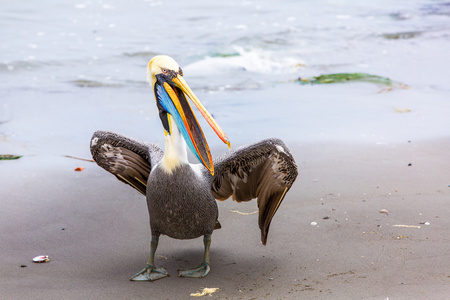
<point x="181" y="196"/>
<point x="171" y="209"/>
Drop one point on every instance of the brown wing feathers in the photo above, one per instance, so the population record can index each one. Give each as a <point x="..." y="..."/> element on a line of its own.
<point x="129" y="160"/>
<point x="265" y="170"/>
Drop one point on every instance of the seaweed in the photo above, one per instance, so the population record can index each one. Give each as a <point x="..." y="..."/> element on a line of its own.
<point x="346" y="77"/>
<point x="9" y="156"/>
<point x="387" y="83"/>
<point x="352" y="77"/>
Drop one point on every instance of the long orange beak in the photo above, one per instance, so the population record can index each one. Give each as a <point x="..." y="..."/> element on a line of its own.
<point x="181" y="83"/>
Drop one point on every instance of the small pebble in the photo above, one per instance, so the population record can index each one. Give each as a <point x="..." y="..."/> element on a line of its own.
<point x="384" y="211"/>
<point x="313" y="223"/>
<point x="326" y="218"/>
<point x="409" y="165"/>
<point x="427" y="223"/>
<point x="23" y="266"/>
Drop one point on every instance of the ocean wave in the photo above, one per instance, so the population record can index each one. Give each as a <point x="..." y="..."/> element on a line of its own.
<point x="252" y="60"/>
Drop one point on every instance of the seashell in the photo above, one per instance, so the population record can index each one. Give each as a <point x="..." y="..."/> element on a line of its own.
<point x="41" y="259"/>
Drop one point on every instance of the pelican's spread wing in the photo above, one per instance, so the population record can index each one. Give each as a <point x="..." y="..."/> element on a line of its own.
<point x="265" y="170"/>
<point x="129" y="160"/>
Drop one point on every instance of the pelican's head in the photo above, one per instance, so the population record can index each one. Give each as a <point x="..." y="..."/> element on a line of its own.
<point x="170" y="92"/>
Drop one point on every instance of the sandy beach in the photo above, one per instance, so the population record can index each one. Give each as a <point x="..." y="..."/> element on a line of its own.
<point x="96" y="231"/>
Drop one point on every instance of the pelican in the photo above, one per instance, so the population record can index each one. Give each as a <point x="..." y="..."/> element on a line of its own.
<point x="180" y="195"/>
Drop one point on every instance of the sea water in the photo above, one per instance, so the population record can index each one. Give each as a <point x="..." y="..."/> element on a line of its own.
<point x="68" y="68"/>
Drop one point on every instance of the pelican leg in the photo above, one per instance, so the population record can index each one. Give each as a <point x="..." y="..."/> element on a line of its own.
<point x="150" y="272"/>
<point x="203" y="269"/>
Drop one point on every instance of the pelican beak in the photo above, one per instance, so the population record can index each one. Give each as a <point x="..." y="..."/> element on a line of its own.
<point x="171" y="92"/>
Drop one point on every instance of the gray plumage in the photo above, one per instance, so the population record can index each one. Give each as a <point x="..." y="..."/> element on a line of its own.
<point x="181" y="205"/>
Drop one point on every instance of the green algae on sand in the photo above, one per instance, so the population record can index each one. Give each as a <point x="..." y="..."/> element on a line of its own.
<point x="350" y="77"/>
<point x="9" y="156"/>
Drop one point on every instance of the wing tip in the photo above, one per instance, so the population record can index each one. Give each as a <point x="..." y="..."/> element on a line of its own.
<point x="264" y="237"/>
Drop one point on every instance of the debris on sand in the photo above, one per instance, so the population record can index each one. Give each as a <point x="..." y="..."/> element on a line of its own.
<point x="406" y="226"/>
<point x="205" y="291"/>
<point x="403" y="110"/>
<point x="244" y="213"/>
<point x="79" y="158"/>
<point x="384" y="211"/>
<point x="79" y="169"/>
<point x="41" y="259"/>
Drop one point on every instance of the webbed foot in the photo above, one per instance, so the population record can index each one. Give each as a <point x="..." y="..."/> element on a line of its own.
<point x="150" y="273"/>
<point x="198" y="272"/>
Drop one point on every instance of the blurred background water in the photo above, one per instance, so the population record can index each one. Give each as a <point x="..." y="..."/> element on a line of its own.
<point x="68" y="68"/>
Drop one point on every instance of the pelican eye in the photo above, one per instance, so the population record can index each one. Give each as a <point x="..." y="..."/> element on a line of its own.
<point x="165" y="71"/>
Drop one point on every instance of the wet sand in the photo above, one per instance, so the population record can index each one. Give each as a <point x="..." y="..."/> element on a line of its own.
<point x="96" y="231"/>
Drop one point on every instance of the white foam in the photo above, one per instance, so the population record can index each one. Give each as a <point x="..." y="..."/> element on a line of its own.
<point x="252" y="60"/>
